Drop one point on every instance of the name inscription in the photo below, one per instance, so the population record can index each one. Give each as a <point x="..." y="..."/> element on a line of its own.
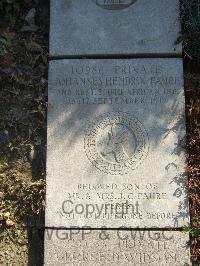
<point x="120" y="85"/>
<point x="117" y="247"/>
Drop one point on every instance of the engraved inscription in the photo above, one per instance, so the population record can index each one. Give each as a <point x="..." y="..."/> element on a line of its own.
<point x="114" y="4"/>
<point x="127" y="84"/>
<point x="117" y="247"/>
<point x="116" y="201"/>
<point x="116" y="142"/>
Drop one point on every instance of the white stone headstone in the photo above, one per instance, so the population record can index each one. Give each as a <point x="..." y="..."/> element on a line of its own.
<point x="115" y="153"/>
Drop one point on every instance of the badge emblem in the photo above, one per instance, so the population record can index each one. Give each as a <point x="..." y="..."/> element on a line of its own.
<point x="116" y="143"/>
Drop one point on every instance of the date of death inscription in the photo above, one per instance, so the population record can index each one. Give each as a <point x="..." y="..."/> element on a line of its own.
<point x="119" y="85"/>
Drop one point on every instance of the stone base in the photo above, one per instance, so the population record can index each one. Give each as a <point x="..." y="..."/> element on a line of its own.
<point x="115" y="247"/>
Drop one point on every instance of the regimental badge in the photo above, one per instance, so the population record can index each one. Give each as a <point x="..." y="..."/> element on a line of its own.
<point x="116" y="143"/>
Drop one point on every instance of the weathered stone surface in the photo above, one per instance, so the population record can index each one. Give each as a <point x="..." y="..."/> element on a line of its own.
<point x="91" y="27"/>
<point x="88" y="248"/>
<point x="115" y="137"/>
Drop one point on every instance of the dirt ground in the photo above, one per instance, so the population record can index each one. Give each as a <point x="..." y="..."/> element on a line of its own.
<point x="23" y="103"/>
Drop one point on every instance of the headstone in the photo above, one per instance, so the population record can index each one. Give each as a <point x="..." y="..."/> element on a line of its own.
<point x="116" y="130"/>
<point x="114" y="27"/>
<point x="111" y="248"/>
<point x="115" y="152"/>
